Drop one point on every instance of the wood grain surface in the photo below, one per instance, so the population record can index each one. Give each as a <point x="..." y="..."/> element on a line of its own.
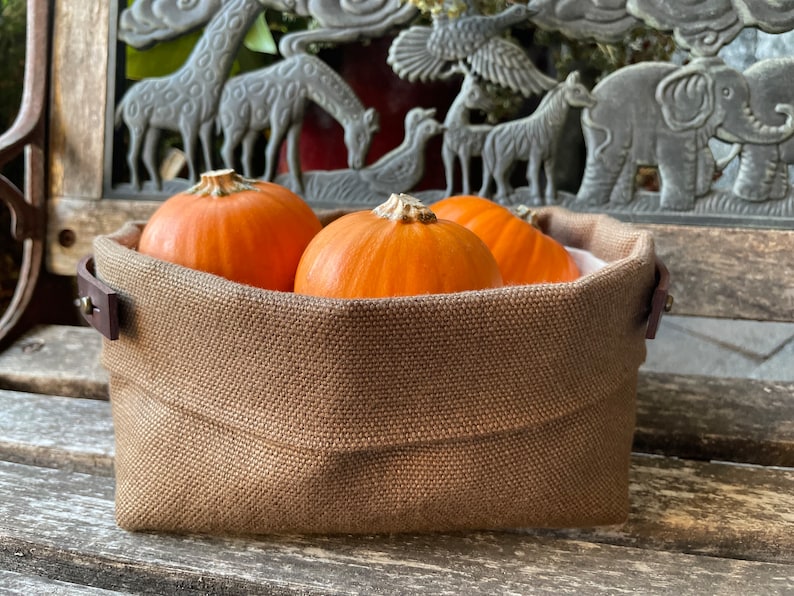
<point x="55" y="360"/>
<point x="56" y="432"/>
<point x="25" y="584"/>
<point x="741" y="420"/>
<point x="735" y="273"/>
<point x="60" y="522"/>
<point x="77" y="110"/>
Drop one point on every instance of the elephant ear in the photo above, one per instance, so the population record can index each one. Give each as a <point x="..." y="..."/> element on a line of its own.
<point x="686" y="97"/>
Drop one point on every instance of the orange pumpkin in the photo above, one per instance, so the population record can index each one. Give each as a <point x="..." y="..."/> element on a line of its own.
<point x="525" y="254"/>
<point x="247" y="231"/>
<point x="398" y="249"/>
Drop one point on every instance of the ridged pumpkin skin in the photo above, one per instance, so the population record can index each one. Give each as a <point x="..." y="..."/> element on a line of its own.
<point x="247" y="231"/>
<point x="398" y="249"/>
<point x="525" y="254"/>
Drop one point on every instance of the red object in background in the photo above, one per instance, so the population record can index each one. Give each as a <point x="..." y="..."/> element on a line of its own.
<point x="364" y="68"/>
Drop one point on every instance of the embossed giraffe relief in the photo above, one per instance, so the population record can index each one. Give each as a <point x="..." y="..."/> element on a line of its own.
<point x="675" y="111"/>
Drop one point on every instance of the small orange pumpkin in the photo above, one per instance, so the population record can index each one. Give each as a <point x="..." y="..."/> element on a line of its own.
<point x="525" y="254"/>
<point x="247" y="231"/>
<point x="398" y="249"/>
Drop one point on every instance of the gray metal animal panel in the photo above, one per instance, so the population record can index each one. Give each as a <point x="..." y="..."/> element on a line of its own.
<point x="697" y="139"/>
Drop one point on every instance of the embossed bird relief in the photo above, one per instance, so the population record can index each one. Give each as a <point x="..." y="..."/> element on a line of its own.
<point x="466" y="38"/>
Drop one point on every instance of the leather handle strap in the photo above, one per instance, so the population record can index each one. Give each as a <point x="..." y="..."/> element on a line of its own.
<point x="661" y="300"/>
<point x="98" y="302"/>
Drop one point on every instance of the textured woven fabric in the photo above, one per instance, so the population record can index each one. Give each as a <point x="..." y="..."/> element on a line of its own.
<point x="240" y="410"/>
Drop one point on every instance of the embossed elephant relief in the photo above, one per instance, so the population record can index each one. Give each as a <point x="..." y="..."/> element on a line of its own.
<point x="663" y="115"/>
<point x="763" y="168"/>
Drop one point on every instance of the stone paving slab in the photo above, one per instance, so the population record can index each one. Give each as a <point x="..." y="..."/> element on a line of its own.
<point x="756" y="338"/>
<point x="676" y="351"/>
<point x="723" y="348"/>
<point x="779" y="367"/>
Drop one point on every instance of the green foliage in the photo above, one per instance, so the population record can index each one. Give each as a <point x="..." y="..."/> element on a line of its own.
<point x="259" y="48"/>
<point x="455" y="8"/>
<point x="161" y="59"/>
<point x="12" y="72"/>
<point x="12" y="65"/>
<point x="640" y="45"/>
<point x="259" y="37"/>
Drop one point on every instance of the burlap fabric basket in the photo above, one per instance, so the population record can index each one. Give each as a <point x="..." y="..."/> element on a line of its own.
<point x="239" y="410"/>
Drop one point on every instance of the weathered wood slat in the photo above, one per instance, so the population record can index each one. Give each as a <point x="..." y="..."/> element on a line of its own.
<point x="739" y="420"/>
<point x="55" y="360"/>
<point x="688" y="506"/>
<point x="77" y="112"/>
<point x="62" y="524"/>
<point x="83" y="220"/>
<point x="20" y="584"/>
<point x="717" y="509"/>
<point x="56" y="432"/>
<point x="734" y="273"/>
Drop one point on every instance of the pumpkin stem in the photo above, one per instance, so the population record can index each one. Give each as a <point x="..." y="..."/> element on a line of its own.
<point x="528" y="214"/>
<point x="220" y="183"/>
<point x="405" y="208"/>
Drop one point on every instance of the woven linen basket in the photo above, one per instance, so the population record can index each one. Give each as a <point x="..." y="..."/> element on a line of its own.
<point x="240" y="410"/>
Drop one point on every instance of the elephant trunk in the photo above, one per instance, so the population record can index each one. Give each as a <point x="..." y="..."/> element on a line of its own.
<point x="747" y="128"/>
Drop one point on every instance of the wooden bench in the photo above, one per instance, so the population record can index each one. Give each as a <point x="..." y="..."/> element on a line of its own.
<point x="712" y="494"/>
<point x="712" y="477"/>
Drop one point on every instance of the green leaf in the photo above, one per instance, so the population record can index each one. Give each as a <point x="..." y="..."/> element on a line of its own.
<point x="162" y="59"/>
<point x="259" y="37"/>
<point x="167" y="56"/>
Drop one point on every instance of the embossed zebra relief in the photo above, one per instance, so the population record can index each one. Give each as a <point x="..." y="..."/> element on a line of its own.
<point x="533" y="138"/>
<point x="701" y="133"/>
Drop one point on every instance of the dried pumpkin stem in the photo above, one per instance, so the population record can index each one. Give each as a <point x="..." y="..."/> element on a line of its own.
<point x="528" y="214"/>
<point x="405" y="208"/>
<point x="220" y="183"/>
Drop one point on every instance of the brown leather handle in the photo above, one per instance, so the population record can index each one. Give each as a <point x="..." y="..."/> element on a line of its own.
<point x="661" y="301"/>
<point x="98" y="302"/>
